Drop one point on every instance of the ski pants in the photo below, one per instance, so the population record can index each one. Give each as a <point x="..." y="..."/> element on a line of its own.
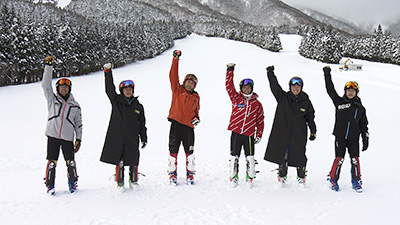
<point x="53" y="149"/>
<point x="353" y="147"/>
<point x="178" y="134"/>
<point x="238" y="141"/>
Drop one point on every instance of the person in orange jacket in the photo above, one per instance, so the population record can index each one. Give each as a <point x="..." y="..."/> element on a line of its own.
<point x="183" y="115"/>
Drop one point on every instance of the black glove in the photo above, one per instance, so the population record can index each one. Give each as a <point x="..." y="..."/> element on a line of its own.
<point x="365" y="144"/>
<point x="176" y="54"/>
<point x="270" y="69"/>
<point x="312" y="136"/>
<point x="230" y="66"/>
<point x="144" y="144"/>
<point x="327" y="70"/>
<point x="195" y="121"/>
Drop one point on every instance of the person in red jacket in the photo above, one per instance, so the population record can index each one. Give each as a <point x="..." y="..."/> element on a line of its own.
<point x="183" y="115"/>
<point x="246" y="124"/>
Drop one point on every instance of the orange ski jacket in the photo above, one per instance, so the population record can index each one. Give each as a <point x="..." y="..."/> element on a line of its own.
<point x="184" y="105"/>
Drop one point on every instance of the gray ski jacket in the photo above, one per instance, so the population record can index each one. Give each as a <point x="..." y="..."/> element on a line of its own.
<point x="64" y="120"/>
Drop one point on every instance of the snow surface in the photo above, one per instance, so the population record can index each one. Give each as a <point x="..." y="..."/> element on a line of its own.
<point x="23" y="197"/>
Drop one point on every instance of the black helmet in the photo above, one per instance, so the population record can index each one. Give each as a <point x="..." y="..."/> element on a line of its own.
<point x="246" y="81"/>
<point x="126" y="83"/>
<point x="64" y="81"/>
<point x="296" y="80"/>
<point x="352" y="85"/>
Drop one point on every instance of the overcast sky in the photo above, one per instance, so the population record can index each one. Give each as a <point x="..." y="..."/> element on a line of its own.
<point x="356" y="11"/>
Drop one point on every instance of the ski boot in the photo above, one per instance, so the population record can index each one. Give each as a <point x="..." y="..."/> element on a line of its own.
<point x="72" y="176"/>
<point x="282" y="173"/>
<point x="119" y="175"/>
<point x="190" y="168"/>
<point x="234" y="180"/>
<point x="301" y="175"/>
<point x="50" y="177"/>
<point x="133" y="177"/>
<point x="173" y="178"/>
<point x="190" y="177"/>
<point x="172" y="166"/>
<point x="250" y="169"/>
<point x="234" y="170"/>
<point x="334" y="184"/>
<point x="356" y="175"/>
<point x="357" y="185"/>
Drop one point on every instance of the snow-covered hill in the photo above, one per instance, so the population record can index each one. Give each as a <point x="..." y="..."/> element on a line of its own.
<point x="211" y="201"/>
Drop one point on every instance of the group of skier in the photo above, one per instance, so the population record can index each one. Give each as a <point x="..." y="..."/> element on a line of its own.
<point x="127" y="126"/>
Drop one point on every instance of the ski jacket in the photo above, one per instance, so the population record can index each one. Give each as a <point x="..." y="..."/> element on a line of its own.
<point x="127" y="124"/>
<point x="289" y="130"/>
<point x="350" y="117"/>
<point x="185" y="105"/>
<point x="247" y="117"/>
<point x="64" y="119"/>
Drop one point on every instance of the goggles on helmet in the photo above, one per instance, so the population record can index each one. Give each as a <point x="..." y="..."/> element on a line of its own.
<point x="248" y="82"/>
<point x="191" y="77"/>
<point x="64" y="81"/>
<point x="126" y="83"/>
<point x="351" y="85"/>
<point x="297" y="81"/>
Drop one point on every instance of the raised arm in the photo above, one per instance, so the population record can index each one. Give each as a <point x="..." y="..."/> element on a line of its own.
<point x="47" y="77"/>
<point x="276" y="89"/>
<point x="330" y="88"/>
<point x="109" y="82"/>
<point x="229" y="85"/>
<point x="173" y="73"/>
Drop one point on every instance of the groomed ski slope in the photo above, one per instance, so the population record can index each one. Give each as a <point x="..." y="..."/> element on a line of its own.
<point x="211" y="201"/>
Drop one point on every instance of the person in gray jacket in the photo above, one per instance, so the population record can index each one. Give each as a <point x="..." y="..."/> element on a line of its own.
<point x="64" y="126"/>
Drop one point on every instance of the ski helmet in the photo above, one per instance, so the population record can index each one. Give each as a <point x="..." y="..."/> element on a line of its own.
<point x="352" y="85"/>
<point x="64" y="81"/>
<point x="246" y="81"/>
<point x="126" y="83"/>
<point x="296" y="80"/>
<point x="192" y="77"/>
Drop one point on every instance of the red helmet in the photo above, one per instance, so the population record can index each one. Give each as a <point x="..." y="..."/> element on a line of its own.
<point x="191" y="77"/>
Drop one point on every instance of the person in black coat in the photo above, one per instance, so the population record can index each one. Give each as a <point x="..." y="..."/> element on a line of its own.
<point x="288" y="138"/>
<point x="350" y="122"/>
<point x="127" y="124"/>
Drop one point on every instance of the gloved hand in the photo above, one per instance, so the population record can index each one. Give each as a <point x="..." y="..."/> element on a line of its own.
<point x="313" y="136"/>
<point x="365" y="144"/>
<point x="77" y="145"/>
<point x="195" y="121"/>
<point x="107" y="67"/>
<point x="176" y="54"/>
<point x="257" y="140"/>
<point x="144" y="144"/>
<point x="230" y="66"/>
<point x="270" y="69"/>
<point x="327" y="70"/>
<point x="49" y="60"/>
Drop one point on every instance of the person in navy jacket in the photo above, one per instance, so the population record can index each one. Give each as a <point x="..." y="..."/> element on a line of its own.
<point x="350" y="122"/>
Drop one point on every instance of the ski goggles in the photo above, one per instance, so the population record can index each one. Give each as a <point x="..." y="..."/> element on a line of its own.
<point x="191" y="77"/>
<point x="248" y="82"/>
<point x="64" y="81"/>
<point x="297" y="81"/>
<point x="352" y="85"/>
<point x="126" y="83"/>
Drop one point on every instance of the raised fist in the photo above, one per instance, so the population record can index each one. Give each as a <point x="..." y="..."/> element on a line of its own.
<point x="327" y="70"/>
<point x="107" y="67"/>
<point x="270" y="69"/>
<point x="177" y="54"/>
<point x="230" y="66"/>
<point x="49" y="60"/>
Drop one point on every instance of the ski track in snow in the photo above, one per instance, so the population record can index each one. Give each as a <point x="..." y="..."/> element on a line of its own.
<point x="212" y="200"/>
